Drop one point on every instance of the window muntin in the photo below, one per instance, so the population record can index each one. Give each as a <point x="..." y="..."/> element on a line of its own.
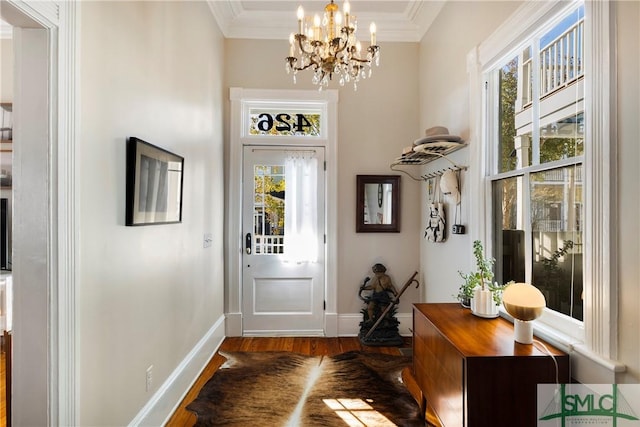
<point x="537" y="183"/>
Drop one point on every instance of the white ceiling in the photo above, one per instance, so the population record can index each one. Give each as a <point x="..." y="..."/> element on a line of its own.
<point x="396" y="20"/>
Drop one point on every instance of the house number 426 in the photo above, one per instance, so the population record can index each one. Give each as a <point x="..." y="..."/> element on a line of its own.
<point x="283" y="122"/>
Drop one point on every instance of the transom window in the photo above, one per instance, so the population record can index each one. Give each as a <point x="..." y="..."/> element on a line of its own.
<point x="536" y="118"/>
<point x="285" y="122"/>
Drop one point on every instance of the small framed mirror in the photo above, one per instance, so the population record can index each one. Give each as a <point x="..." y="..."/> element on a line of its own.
<point x="377" y="203"/>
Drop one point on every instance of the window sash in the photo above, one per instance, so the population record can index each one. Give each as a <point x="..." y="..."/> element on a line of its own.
<point x="520" y="220"/>
<point x="527" y="158"/>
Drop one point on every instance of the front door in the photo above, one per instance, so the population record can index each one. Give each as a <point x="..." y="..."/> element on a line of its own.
<point x="283" y="227"/>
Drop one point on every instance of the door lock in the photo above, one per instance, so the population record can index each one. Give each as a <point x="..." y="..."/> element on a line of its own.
<point x="247" y="243"/>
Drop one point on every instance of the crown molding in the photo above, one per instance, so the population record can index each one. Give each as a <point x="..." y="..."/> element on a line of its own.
<point x="409" y="25"/>
<point x="225" y="13"/>
<point x="422" y="14"/>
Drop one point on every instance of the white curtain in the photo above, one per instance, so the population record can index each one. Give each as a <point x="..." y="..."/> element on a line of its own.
<point x="300" y="208"/>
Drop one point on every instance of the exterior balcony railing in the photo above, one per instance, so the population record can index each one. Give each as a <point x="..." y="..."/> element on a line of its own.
<point x="561" y="63"/>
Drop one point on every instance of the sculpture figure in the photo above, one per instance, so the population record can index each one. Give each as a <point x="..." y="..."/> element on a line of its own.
<point x="379" y="326"/>
<point x="381" y="286"/>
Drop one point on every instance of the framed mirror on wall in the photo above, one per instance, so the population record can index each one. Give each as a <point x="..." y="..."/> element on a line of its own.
<point x="377" y="203"/>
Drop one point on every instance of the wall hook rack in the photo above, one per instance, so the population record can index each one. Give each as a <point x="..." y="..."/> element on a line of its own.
<point x="439" y="172"/>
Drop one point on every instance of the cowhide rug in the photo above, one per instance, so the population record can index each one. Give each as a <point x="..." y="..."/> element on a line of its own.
<point x="290" y="390"/>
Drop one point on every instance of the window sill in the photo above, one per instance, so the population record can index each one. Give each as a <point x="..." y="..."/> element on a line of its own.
<point x="587" y="367"/>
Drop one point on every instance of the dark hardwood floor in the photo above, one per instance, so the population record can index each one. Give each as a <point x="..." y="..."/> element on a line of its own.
<point x="5" y="379"/>
<point x="3" y="389"/>
<point x="310" y="346"/>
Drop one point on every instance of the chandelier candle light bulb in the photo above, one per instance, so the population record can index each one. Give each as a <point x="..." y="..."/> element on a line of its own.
<point x="372" y="29"/>
<point x="316" y="27"/>
<point x="292" y="47"/>
<point x="347" y="11"/>
<point x="300" y="20"/>
<point x="327" y="45"/>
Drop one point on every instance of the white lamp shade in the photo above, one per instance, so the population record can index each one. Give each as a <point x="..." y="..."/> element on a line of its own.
<point x="523" y="301"/>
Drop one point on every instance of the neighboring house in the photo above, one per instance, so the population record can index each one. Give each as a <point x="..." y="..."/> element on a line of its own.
<point x="124" y="299"/>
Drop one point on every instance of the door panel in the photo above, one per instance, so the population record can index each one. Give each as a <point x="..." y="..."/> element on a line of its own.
<point x="268" y="295"/>
<point x="281" y="295"/>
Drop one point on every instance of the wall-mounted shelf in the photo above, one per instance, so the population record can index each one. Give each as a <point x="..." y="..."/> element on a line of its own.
<point x="426" y="153"/>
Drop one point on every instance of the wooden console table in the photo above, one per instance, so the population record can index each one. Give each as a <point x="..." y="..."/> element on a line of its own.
<point x="472" y="373"/>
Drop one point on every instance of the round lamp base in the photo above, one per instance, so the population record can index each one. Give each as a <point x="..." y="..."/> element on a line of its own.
<point x="523" y="331"/>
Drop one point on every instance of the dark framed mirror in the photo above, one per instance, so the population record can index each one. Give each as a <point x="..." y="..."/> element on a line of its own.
<point x="377" y="203"/>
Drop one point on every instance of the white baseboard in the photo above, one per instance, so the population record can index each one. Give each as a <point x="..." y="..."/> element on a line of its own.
<point x="164" y="402"/>
<point x="331" y="324"/>
<point x="233" y="327"/>
<point x="349" y="324"/>
<point x="336" y="325"/>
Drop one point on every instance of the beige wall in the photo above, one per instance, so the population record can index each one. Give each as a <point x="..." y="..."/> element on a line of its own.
<point x="6" y="70"/>
<point x="374" y="124"/>
<point x="147" y="295"/>
<point x="444" y="100"/>
<point x="628" y="127"/>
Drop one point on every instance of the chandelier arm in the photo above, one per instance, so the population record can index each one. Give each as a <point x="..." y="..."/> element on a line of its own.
<point x="363" y="61"/>
<point x="312" y="63"/>
<point x="340" y="49"/>
<point x="305" y="67"/>
<point x="301" y="38"/>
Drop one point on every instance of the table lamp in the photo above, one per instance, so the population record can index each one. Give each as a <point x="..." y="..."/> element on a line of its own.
<point x="524" y="303"/>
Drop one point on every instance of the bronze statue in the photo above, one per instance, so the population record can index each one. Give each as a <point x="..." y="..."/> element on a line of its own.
<point x="381" y="286"/>
<point x="379" y="325"/>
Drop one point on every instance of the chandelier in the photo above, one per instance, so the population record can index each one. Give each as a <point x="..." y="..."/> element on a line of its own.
<point x="328" y="46"/>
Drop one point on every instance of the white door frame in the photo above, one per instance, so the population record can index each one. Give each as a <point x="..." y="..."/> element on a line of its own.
<point x="58" y="404"/>
<point x="296" y="308"/>
<point x="234" y="238"/>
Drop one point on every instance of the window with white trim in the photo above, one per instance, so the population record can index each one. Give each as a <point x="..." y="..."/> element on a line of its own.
<point x="587" y="167"/>
<point x="536" y="132"/>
